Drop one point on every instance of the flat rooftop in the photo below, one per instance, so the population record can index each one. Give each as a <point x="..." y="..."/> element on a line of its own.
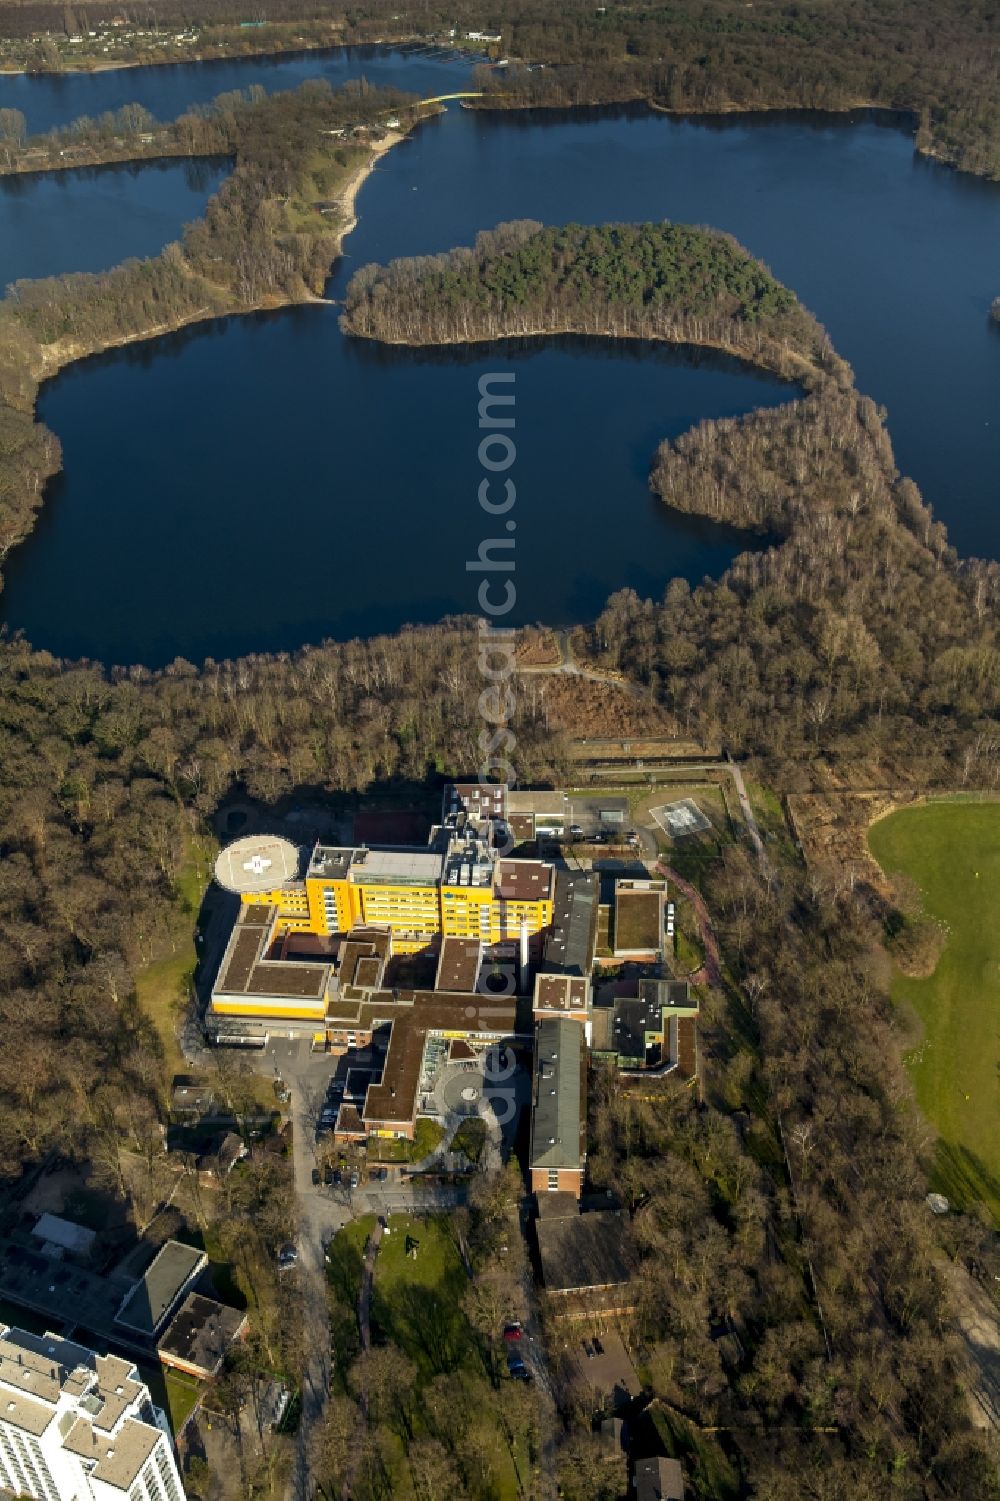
<point x="572" y="943"/>
<point x="363" y="958"/>
<point x="168" y="1274"/>
<point x="558" y="1114"/>
<point x="638" y="921"/>
<point x="332" y="862"/>
<point x="116" y="1461"/>
<point x="524" y="880"/>
<point x="582" y="1254"/>
<point x="60" y="1291"/>
<point x="201" y="1332"/>
<point x="245" y="969"/>
<point x="458" y="964"/>
<point x="561" y="993"/>
<point x="405" y="867"/>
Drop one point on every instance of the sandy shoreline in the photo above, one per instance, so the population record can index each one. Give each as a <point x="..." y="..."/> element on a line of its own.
<point x="348" y="195"/>
<point x="57" y="357"/>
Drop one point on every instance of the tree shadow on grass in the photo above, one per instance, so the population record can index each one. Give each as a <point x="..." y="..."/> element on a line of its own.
<point x="431" y="1328"/>
<point x="344" y="1268"/>
<point x="964" y="1178"/>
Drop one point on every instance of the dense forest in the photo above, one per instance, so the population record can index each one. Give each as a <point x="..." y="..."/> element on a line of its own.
<point x="791" y="1298"/>
<point x="937" y="61"/>
<point x="860" y="638"/>
<point x="653" y="281"/>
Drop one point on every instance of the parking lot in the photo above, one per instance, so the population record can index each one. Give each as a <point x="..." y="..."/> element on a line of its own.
<point x="600" y="815"/>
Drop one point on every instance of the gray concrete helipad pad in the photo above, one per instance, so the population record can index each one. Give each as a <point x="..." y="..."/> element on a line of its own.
<point x="680" y="818"/>
<point x="256" y="863"/>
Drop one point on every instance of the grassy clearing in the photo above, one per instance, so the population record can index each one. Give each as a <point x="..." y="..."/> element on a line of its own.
<point x="952" y="851"/>
<point x="164" y="985"/>
<point x="688" y="947"/>
<point x="417" y="1301"/>
<point x="325" y="177"/>
<point x="772" y="822"/>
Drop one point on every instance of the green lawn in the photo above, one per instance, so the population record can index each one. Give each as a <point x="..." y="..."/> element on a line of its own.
<point x="952" y="851"/>
<point x="345" y="1258"/>
<point x="174" y="1391"/>
<point x="417" y="1300"/>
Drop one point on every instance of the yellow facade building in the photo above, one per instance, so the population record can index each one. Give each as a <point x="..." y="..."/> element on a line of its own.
<point x="421" y="894"/>
<point x="281" y="963"/>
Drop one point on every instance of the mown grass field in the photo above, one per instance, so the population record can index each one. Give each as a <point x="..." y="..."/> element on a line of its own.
<point x="952" y="851"/>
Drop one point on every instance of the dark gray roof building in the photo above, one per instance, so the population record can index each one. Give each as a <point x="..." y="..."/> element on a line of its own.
<point x="659" y="1480"/>
<point x="572" y="943"/>
<point x="558" y="1112"/>
<point x="146" y="1308"/>
<point x="582" y="1254"/>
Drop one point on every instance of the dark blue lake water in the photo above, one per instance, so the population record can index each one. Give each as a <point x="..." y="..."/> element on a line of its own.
<point x="50" y="100"/>
<point x="92" y="219"/>
<point x="265" y="482"/>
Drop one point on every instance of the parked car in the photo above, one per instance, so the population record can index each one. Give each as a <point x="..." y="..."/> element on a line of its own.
<point x="287" y="1257"/>
<point x="315" y="1177"/>
<point x="588" y="1349"/>
<point x="576" y="830"/>
<point x="517" y="1368"/>
<point x="512" y="1332"/>
<point x="355" y="1180"/>
<point x="598" y="1347"/>
<point x="380" y="1174"/>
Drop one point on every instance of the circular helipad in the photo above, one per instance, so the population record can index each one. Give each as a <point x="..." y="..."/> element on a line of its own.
<point x="260" y="862"/>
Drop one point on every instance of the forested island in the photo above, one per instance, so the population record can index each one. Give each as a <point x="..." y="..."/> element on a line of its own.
<point x="267" y="238"/>
<point x="667" y="282"/>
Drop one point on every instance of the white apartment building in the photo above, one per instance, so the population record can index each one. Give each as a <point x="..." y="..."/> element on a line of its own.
<point x="76" y="1426"/>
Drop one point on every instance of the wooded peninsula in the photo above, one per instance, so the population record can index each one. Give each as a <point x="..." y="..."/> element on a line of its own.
<point x="267" y="238"/>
